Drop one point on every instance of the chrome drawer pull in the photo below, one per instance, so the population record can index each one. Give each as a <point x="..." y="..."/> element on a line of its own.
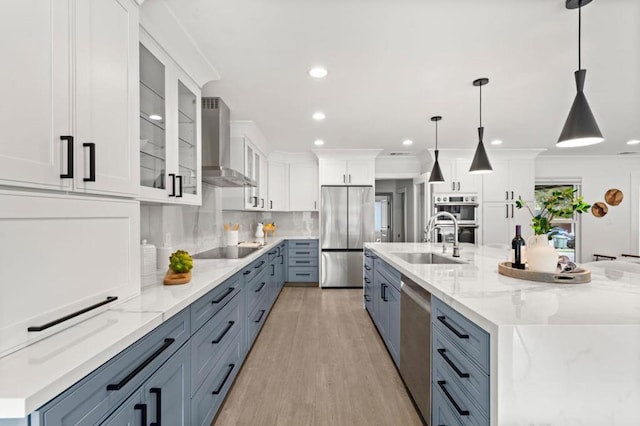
<point x="452" y="328"/>
<point x="460" y="411"/>
<point x="452" y="365"/>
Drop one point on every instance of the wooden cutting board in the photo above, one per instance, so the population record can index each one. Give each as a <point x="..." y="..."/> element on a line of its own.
<point x="172" y="278"/>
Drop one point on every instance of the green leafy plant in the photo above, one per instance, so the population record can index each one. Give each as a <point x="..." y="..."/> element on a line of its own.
<point x="561" y="203"/>
<point x="180" y="262"/>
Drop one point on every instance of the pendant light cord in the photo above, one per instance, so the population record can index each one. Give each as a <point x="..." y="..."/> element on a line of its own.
<point x="579" y="34"/>
<point x="436" y="135"/>
<point x="480" y="105"/>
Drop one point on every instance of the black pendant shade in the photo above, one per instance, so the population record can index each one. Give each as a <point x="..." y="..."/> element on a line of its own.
<point x="436" y="173"/>
<point x="581" y="128"/>
<point x="480" y="163"/>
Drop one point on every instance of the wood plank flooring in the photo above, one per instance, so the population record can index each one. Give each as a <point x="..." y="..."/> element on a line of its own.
<point x="318" y="361"/>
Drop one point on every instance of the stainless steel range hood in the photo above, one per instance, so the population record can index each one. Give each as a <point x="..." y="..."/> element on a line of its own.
<point x="216" y="146"/>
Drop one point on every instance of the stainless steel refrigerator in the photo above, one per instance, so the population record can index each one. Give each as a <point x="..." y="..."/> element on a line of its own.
<point x="346" y="224"/>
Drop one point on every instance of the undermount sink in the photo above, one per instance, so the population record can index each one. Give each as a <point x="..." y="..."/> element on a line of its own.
<point x="426" y="258"/>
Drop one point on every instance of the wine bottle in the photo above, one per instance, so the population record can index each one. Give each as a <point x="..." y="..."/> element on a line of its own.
<point x="517" y="245"/>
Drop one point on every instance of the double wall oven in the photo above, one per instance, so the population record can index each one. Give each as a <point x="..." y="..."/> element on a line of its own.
<point x="465" y="209"/>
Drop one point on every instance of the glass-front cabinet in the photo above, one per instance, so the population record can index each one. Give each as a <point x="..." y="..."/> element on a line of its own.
<point x="170" y="134"/>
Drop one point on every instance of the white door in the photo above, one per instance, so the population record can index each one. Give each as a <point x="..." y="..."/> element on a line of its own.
<point x="303" y="187"/>
<point x="35" y="84"/>
<point x="333" y="172"/>
<point x="360" y="172"/>
<point x="495" y="223"/>
<point x="106" y="97"/>
<point x="278" y="188"/>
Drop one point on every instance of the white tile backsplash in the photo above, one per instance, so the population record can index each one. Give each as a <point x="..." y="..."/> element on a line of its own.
<point x="200" y="228"/>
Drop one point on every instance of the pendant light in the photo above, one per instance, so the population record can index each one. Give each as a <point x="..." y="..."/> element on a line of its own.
<point x="436" y="173"/>
<point x="581" y="128"/>
<point x="480" y="163"/>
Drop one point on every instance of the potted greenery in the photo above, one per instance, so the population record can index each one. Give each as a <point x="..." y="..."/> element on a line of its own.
<point x="559" y="203"/>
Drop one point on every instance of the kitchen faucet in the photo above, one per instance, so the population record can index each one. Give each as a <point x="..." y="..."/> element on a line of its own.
<point x="431" y="225"/>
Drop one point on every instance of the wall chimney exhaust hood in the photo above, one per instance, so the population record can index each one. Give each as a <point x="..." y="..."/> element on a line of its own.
<point x="216" y="146"/>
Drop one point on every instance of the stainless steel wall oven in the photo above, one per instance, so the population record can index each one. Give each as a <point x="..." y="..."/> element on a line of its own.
<point x="465" y="209"/>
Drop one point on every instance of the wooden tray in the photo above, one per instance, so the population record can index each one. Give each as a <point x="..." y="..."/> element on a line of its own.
<point x="579" y="276"/>
<point x="171" y="278"/>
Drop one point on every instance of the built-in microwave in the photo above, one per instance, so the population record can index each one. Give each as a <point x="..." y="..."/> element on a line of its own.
<point x="463" y="207"/>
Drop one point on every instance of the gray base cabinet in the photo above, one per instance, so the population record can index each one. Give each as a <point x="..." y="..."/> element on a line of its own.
<point x="382" y="300"/>
<point x="180" y="373"/>
<point x="302" y="258"/>
<point x="460" y="368"/>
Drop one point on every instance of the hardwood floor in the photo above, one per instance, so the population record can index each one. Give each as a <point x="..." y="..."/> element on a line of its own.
<point x="318" y="361"/>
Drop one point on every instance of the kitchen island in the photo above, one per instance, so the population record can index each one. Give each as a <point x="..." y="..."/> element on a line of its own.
<point x="560" y="354"/>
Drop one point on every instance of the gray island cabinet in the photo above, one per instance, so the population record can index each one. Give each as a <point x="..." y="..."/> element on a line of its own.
<point x="515" y="352"/>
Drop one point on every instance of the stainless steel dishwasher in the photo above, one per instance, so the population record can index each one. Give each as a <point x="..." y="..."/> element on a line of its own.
<point x="415" y="344"/>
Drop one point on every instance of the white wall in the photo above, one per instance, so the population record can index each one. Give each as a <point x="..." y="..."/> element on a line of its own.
<point x="614" y="233"/>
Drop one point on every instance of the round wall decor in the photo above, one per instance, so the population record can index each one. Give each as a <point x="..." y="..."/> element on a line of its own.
<point x="613" y="197"/>
<point x="599" y="209"/>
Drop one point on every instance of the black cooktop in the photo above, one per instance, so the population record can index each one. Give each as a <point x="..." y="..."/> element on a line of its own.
<point x="229" y="252"/>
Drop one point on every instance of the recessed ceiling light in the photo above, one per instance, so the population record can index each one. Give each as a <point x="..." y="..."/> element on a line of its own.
<point x="155" y="117"/>
<point x="633" y="142"/>
<point x="407" y="142"/>
<point x="318" y="72"/>
<point x="319" y="116"/>
<point x="496" y="142"/>
<point x="318" y="142"/>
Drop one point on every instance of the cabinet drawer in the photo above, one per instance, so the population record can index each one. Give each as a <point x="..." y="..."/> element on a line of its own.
<point x="299" y="261"/>
<point x="254" y="269"/>
<point x="471" y="339"/>
<point x="92" y="398"/>
<point x="256" y="288"/>
<point x="443" y="412"/>
<point x="257" y="317"/>
<point x="301" y="274"/>
<point x="209" y="304"/>
<point x="448" y="358"/>
<point x="206" y="402"/>
<point x="208" y="344"/>
<point x="302" y="252"/>
<point x="303" y="244"/>
<point x="387" y="274"/>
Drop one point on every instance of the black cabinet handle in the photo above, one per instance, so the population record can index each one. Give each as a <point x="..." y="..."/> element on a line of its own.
<point x="303" y="252"/>
<point x="443" y="320"/>
<point x="255" y="201"/>
<point x="349" y="178"/>
<point x="302" y="244"/>
<point x="143" y="413"/>
<point x="344" y="178"/>
<point x="383" y="293"/>
<point x="282" y="259"/>
<point x="139" y="368"/>
<point x="303" y="261"/>
<point x="366" y="280"/>
<point x="158" y="393"/>
<point x="460" y="411"/>
<point x="506" y="195"/>
<point x="259" y="289"/>
<point x="306" y="274"/>
<point x="512" y="195"/>
<point x="223" y="295"/>
<point x="315" y="205"/>
<point x="261" y="315"/>
<point x="368" y="268"/>
<point x="226" y="377"/>
<point x="442" y="353"/>
<point x="366" y="297"/>
<point x="271" y="205"/>
<point x="458" y="186"/>
<point x="273" y="270"/>
<point x="75" y="314"/>
<point x="92" y="161"/>
<point x="511" y="211"/>
<point x="453" y="186"/>
<point x="69" y="174"/>
<point x="272" y="252"/>
<point x="259" y="265"/>
<point x="262" y="203"/>
<point x="507" y="213"/>
<point x="173" y="184"/>
<point x="179" y="177"/>
<point x="246" y="272"/>
<point x="224" y="333"/>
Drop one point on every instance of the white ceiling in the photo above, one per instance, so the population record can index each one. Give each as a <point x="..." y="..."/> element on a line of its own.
<point x="394" y="63"/>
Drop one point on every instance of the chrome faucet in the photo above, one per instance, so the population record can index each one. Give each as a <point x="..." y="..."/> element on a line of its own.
<point x="431" y="225"/>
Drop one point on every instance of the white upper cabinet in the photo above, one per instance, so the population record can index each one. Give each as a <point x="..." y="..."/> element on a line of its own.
<point x="254" y="165"/>
<point x="278" y="186"/>
<point x="509" y="180"/>
<point x="457" y="176"/>
<point x="347" y="172"/>
<point x="69" y="84"/>
<point x="303" y="186"/>
<point x="170" y="131"/>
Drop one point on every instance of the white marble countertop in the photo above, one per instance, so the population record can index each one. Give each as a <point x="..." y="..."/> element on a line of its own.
<point x="32" y="376"/>
<point x="561" y="354"/>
